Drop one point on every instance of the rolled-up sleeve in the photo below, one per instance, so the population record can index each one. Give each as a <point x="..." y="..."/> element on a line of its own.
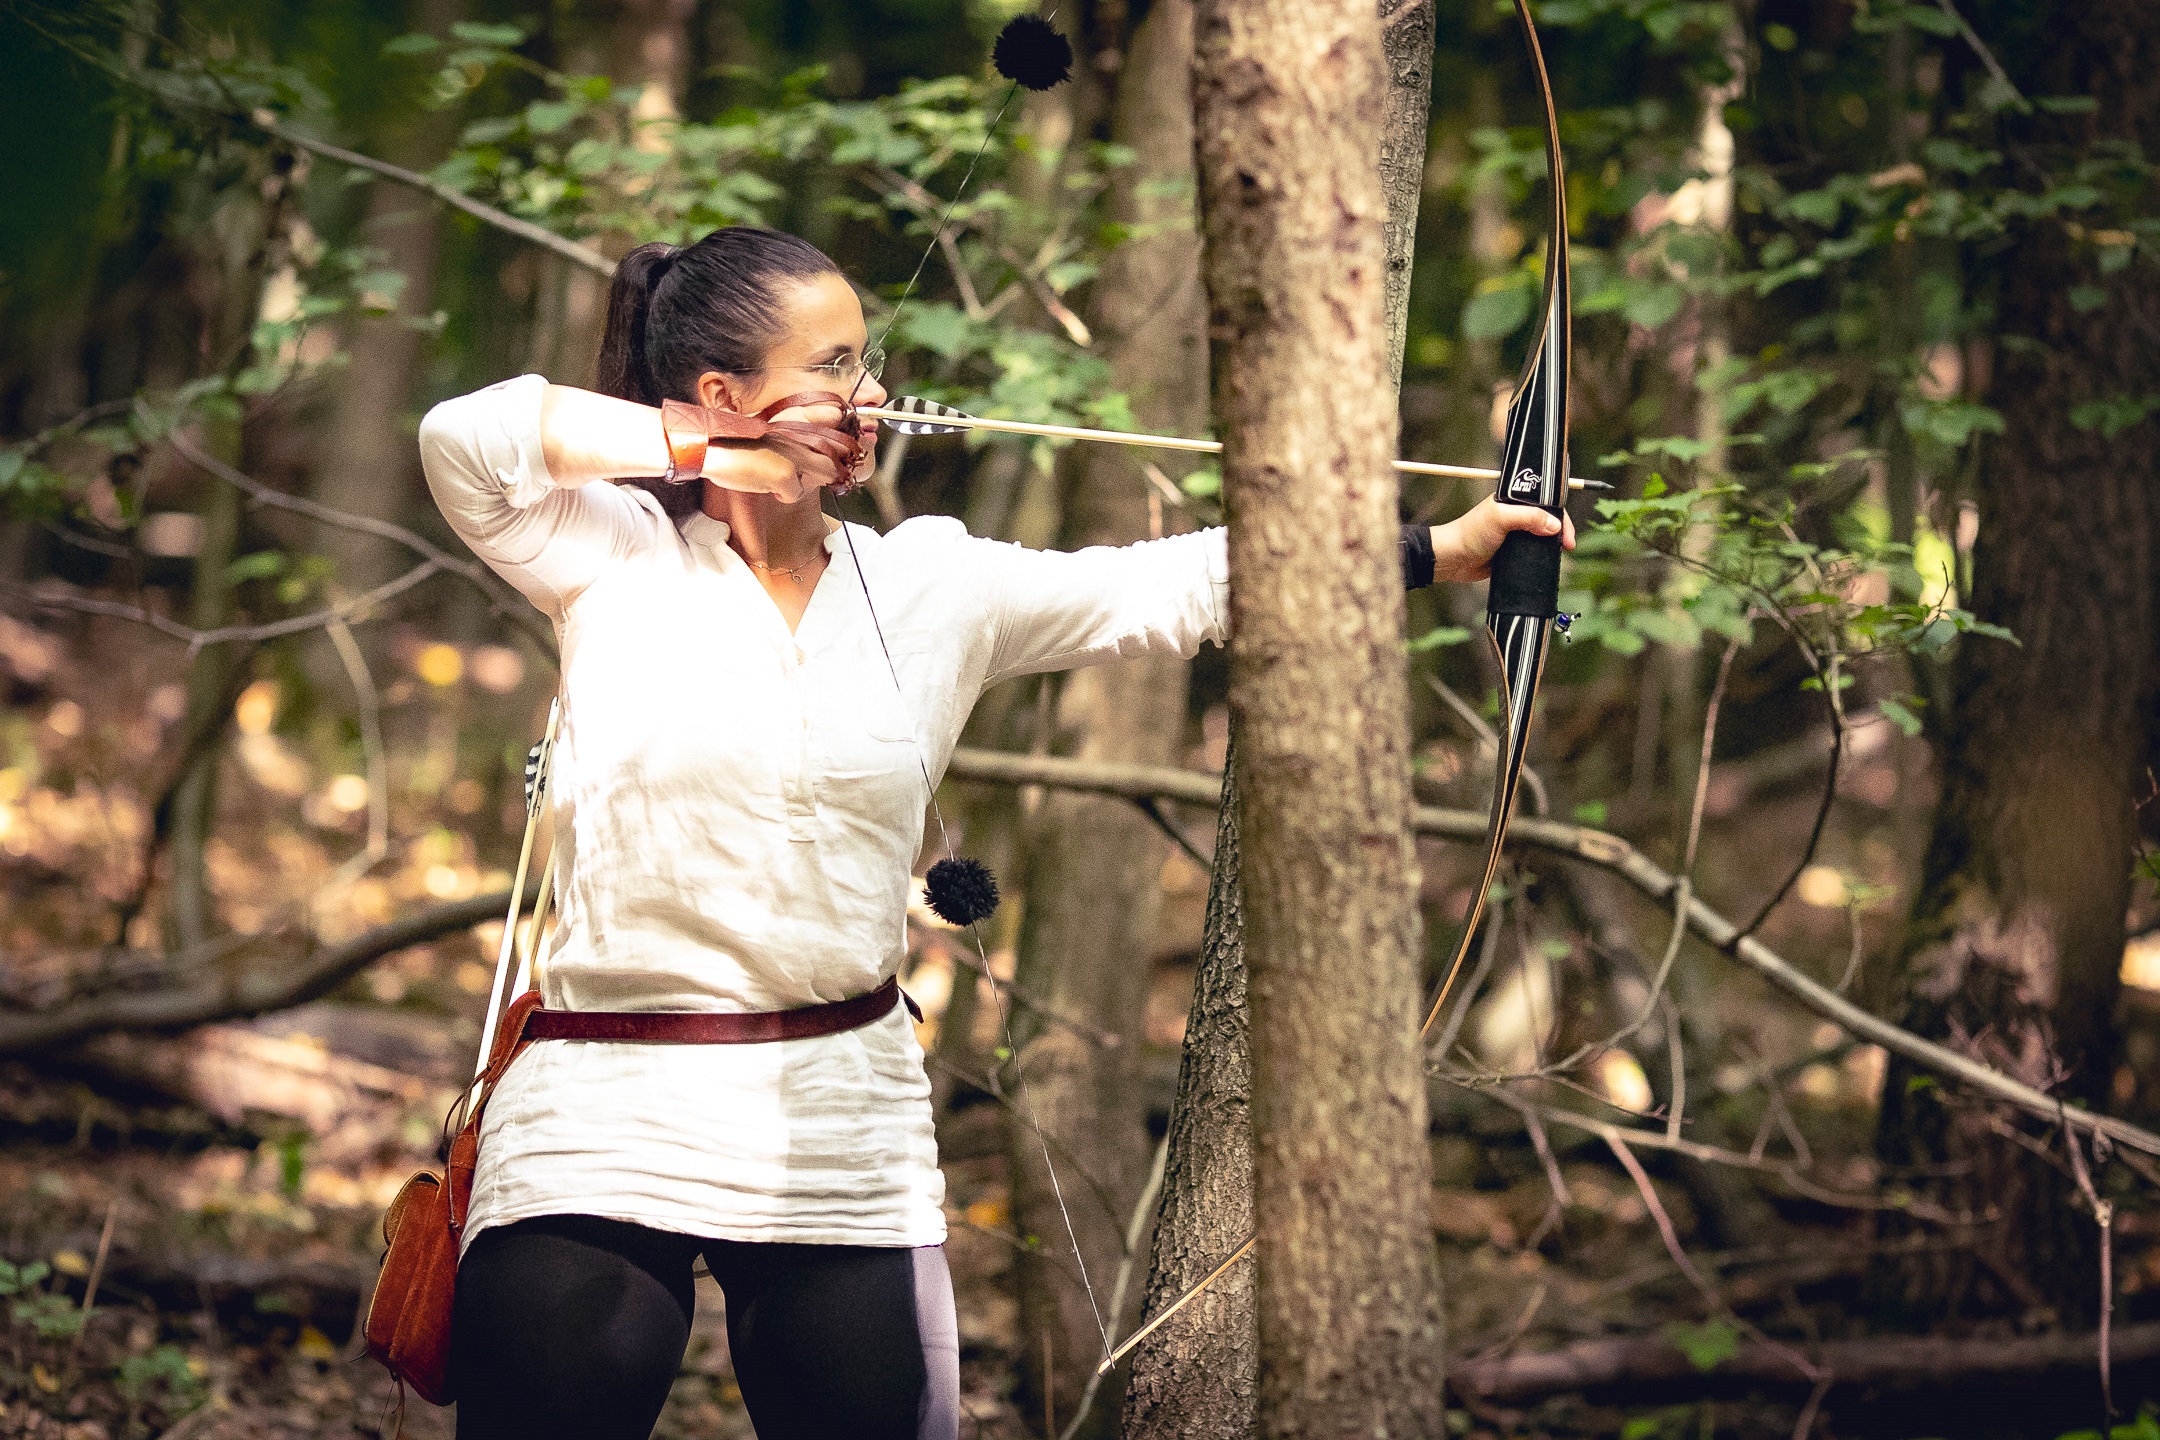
<point x="1053" y="610"/>
<point x="482" y="457"/>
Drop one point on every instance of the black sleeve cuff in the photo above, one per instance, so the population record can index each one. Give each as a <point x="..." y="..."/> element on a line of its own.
<point x="1417" y="557"/>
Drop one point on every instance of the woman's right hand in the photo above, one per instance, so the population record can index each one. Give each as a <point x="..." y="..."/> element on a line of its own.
<point x="785" y="472"/>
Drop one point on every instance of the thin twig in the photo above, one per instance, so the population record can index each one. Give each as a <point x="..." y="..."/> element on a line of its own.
<point x="1540" y="800"/>
<point x="1852" y="960"/>
<point x="988" y="1086"/>
<point x="519" y="616"/>
<point x="1684" y="891"/>
<point x="378" y="764"/>
<point x="2104" y="1216"/>
<point x="1555" y="1181"/>
<point x="199" y="640"/>
<point x="1515" y="1332"/>
<point x="1716" y="1155"/>
<point x="1150" y="807"/>
<point x="1680" y="1258"/>
<point x="90" y="1286"/>
<point x="480" y="210"/>
<point x="1987" y="56"/>
<point x="1676" y="1055"/>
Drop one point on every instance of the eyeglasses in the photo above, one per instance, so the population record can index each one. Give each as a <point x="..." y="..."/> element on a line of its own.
<point x="847" y="370"/>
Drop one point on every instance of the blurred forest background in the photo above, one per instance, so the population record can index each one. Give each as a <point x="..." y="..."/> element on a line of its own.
<point x="1844" y="790"/>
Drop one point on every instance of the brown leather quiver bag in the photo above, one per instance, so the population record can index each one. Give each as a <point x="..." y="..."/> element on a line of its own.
<point x="408" y="1321"/>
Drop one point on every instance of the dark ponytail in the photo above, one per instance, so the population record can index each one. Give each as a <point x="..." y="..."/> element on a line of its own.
<point x="676" y="312"/>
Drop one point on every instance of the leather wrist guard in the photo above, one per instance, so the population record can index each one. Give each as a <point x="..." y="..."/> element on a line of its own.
<point x="690" y="430"/>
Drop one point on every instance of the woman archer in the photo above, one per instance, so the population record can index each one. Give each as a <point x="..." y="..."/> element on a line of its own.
<point x="739" y="787"/>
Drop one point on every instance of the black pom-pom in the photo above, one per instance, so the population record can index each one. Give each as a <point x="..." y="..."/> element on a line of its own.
<point x="961" y="891"/>
<point x="1030" y="52"/>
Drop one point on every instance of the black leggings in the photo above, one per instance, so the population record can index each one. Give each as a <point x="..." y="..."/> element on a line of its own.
<point x="571" y="1326"/>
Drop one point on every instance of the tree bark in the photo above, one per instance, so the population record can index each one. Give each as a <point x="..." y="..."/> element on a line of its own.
<point x="1289" y="106"/>
<point x="2016" y="937"/>
<point x="1197" y="1378"/>
<point x="1406" y="41"/>
<point x="1093" y="877"/>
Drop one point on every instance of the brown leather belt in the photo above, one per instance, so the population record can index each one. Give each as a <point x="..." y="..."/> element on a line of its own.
<point x="751" y="1027"/>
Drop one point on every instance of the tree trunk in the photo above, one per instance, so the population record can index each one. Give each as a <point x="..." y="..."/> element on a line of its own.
<point x="2017" y="933"/>
<point x="1093" y="879"/>
<point x="369" y="464"/>
<point x="1198" y="1376"/>
<point x="250" y="232"/>
<point x="1289" y="108"/>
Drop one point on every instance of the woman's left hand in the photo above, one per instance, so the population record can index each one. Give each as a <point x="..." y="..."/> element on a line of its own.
<point x="1463" y="548"/>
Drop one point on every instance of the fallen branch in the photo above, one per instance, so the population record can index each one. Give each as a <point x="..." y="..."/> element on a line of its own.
<point x="1640" y="1362"/>
<point x="243" y="1291"/>
<point x="1607" y="852"/>
<point x="227" y="989"/>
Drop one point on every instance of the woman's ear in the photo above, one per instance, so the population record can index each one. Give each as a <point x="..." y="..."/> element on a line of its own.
<point x="716" y="391"/>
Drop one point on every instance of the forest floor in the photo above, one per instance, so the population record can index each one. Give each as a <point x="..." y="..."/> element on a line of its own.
<point x="241" y="1252"/>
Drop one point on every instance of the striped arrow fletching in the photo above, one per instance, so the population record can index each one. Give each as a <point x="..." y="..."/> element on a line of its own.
<point x="536" y="760"/>
<point x="914" y="405"/>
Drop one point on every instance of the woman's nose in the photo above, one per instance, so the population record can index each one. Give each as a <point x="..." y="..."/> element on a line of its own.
<point x="871" y="392"/>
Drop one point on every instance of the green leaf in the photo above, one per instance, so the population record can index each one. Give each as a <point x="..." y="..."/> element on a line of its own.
<point x="1707" y="1345"/>
<point x="507" y="37"/>
<point x="1441" y="636"/>
<point x="2113" y="414"/>
<point x="411" y="45"/>
<point x="1951" y="422"/>
<point x="1900" y="716"/>
<point x="941" y="329"/>
<point x="1676" y="629"/>
<point x="1817" y="207"/>
<point x="1593" y="813"/>
<point x="1653" y="306"/>
<point x="1497" y="312"/>
<point x="545" y="117"/>
<point x="259" y="566"/>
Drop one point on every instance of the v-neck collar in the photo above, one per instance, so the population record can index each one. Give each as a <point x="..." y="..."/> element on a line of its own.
<point x="710" y="533"/>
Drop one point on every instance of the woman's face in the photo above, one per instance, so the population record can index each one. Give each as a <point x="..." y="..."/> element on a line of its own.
<point x="821" y="325"/>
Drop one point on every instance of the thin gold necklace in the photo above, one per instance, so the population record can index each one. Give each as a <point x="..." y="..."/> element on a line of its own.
<point x="793" y="572"/>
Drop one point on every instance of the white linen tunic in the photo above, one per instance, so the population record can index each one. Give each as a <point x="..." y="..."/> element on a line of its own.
<point x="736" y="811"/>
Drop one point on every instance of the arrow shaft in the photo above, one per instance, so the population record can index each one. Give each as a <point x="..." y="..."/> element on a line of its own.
<point x="1180" y="1303"/>
<point x="1132" y="437"/>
